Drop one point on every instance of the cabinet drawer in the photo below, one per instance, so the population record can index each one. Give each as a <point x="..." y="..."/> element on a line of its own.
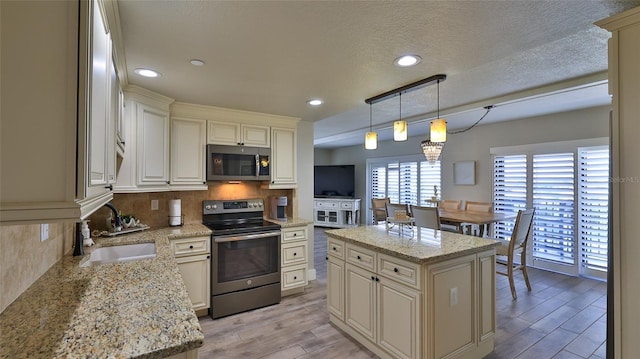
<point x="323" y="204"/>
<point x="189" y="246"/>
<point x="294" y="234"/>
<point x="346" y="205"/>
<point x="335" y="248"/>
<point x="399" y="270"/>
<point x="293" y="277"/>
<point x="294" y="254"/>
<point x="361" y="257"/>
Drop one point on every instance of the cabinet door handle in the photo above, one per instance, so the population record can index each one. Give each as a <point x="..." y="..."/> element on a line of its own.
<point x="109" y="187"/>
<point x="395" y="270"/>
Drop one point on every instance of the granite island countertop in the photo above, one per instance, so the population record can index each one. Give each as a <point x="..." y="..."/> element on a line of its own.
<point x="426" y="245"/>
<point x="290" y="222"/>
<point x="138" y="309"/>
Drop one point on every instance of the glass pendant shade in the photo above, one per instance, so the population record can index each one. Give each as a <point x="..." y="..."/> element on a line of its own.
<point x="439" y="130"/>
<point x="371" y="141"/>
<point x="400" y="130"/>
<point x="432" y="150"/>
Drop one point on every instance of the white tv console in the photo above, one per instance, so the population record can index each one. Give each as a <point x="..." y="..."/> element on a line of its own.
<point x="336" y="212"/>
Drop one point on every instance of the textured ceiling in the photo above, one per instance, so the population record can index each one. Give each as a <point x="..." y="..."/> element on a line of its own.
<point x="272" y="56"/>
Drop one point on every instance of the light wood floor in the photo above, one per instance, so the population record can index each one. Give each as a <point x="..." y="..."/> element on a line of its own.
<point x="562" y="317"/>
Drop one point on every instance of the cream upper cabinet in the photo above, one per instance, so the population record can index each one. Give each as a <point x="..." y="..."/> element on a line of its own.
<point x="188" y="141"/>
<point x="231" y="133"/>
<point x="283" y="158"/>
<point x="152" y="146"/>
<point x="145" y="166"/>
<point x="69" y="46"/>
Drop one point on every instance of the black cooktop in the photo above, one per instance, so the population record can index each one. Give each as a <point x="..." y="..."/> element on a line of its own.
<point x="240" y="227"/>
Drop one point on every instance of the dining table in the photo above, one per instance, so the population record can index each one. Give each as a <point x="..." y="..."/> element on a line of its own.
<point x="459" y="218"/>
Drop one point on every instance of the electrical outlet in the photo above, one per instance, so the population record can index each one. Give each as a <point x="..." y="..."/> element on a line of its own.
<point x="154" y="204"/>
<point x="44" y="232"/>
<point x="453" y="296"/>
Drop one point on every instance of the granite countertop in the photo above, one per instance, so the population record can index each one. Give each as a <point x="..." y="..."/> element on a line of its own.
<point x="426" y="245"/>
<point x="290" y="222"/>
<point x="138" y="309"/>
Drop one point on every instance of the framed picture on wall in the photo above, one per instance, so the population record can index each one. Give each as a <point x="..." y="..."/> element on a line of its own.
<point x="464" y="173"/>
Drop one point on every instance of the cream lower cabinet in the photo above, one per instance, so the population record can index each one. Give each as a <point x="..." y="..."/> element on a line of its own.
<point x="194" y="260"/>
<point x="401" y="309"/>
<point x="294" y="259"/>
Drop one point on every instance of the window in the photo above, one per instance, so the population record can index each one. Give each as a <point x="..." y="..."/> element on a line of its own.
<point x="408" y="180"/>
<point x="568" y="185"/>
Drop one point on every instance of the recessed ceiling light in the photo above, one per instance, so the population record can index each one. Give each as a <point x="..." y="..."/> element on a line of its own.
<point x="196" y="62"/>
<point x="407" y="60"/>
<point x="146" y="72"/>
<point x="315" y="102"/>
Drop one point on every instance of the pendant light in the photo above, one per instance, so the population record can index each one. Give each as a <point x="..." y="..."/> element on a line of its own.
<point x="439" y="125"/>
<point x="371" y="138"/>
<point x="400" y="126"/>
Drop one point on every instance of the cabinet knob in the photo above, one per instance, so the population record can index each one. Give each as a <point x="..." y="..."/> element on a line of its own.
<point x="122" y="143"/>
<point x="295" y="254"/>
<point x="395" y="270"/>
<point x="358" y="257"/>
<point x="377" y="279"/>
<point x="295" y="234"/>
<point x="204" y="182"/>
<point x="208" y="257"/>
<point x="294" y="277"/>
<point x="168" y="182"/>
<point x="109" y="187"/>
<point x="334" y="248"/>
<point x="373" y="278"/>
<point x="190" y="247"/>
<point x="326" y="258"/>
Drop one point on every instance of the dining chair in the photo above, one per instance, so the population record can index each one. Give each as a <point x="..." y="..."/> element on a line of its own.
<point x="517" y="244"/>
<point x="474" y="229"/>
<point x="450" y="205"/>
<point x="379" y="209"/>
<point x="426" y="217"/>
<point x="391" y="209"/>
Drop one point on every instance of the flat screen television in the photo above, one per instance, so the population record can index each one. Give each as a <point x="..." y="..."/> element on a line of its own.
<point x="335" y="181"/>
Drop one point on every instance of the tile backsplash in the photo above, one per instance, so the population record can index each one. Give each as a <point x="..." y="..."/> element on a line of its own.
<point x="139" y="204"/>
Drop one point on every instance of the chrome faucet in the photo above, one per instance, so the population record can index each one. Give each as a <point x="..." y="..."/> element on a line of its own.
<point x="118" y="220"/>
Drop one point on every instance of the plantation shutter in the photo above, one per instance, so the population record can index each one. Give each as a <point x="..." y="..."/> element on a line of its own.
<point x="429" y="177"/>
<point x="379" y="181"/>
<point x="408" y="183"/>
<point x="553" y="198"/>
<point x="509" y="189"/>
<point x="594" y="208"/>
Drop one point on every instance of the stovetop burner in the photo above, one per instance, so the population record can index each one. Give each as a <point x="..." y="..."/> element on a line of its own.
<point x="235" y="216"/>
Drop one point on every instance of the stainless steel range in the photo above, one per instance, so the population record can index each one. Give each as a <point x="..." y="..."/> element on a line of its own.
<point x="245" y="270"/>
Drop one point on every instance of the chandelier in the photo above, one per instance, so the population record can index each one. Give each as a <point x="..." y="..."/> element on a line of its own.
<point x="432" y="150"/>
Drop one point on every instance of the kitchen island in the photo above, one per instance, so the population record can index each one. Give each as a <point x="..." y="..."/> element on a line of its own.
<point x="137" y="309"/>
<point x="426" y="295"/>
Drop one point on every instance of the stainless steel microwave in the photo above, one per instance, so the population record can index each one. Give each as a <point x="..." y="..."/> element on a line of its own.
<point x="237" y="163"/>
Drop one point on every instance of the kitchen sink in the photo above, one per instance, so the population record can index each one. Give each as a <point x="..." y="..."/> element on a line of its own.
<point x="121" y="253"/>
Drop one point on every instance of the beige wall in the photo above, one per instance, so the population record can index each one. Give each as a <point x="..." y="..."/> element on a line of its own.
<point x="24" y="258"/>
<point x="474" y="145"/>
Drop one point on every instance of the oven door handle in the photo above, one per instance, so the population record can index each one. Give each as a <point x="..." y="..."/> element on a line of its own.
<point x="244" y="237"/>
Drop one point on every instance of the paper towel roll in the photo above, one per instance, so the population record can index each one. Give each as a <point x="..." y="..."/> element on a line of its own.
<point x="175" y="212"/>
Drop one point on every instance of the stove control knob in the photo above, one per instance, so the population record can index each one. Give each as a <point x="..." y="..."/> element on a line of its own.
<point x="259" y="204"/>
<point x="214" y="206"/>
<point x="208" y="206"/>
